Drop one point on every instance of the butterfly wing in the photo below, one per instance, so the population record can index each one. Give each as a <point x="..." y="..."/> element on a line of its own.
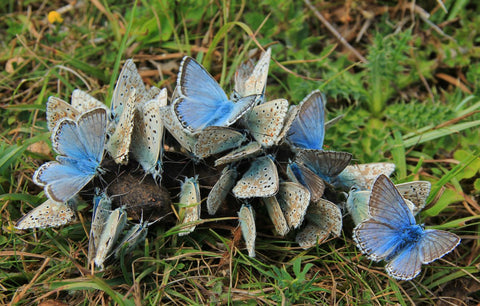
<point x="380" y="236"/>
<point x="102" y="205"/>
<point x="417" y="192"/>
<point x="303" y="175"/>
<point x="407" y="264"/>
<point x="216" y="139"/>
<point x="276" y="215"/>
<point x="58" y="109"/>
<point x="307" y="130"/>
<point x="260" y="180"/>
<point x="83" y="102"/>
<point x="251" y="79"/>
<point x="326" y="164"/>
<point x="247" y="224"/>
<point x="436" y="243"/>
<point x="128" y="81"/>
<point x="363" y="175"/>
<point x="250" y="150"/>
<point x="220" y="190"/>
<point x="265" y="121"/>
<point x="147" y="135"/>
<point x="174" y="127"/>
<point x="293" y="199"/>
<point x="118" y="144"/>
<point x="190" y="199"/>
<point x="48" y="214"/>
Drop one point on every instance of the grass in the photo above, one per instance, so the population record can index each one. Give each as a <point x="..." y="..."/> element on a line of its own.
<point x="415" y="103"/>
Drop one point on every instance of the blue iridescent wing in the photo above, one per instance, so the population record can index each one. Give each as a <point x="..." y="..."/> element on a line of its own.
<point x="406" y="264"/>
<point x="326" y="164"/>
<point x="307" y="130"/>
<point x="388" y="206"/>
<point x="201" y="102"/>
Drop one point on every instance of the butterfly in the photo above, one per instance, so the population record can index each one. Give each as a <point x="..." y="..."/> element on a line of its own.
<point x="48" y="214"/>
<point x="324" y="218"/>
<point x="80" y="145"/>
<point x="391" y="234"/>
<point x="216" y="139"/>
<point x="362" y="175"/>
<point x="260" y="180"/>
<point x="220" y="190"/>
<point x="120" y="132"/>
<point x="249" y="150"/>
<point x="135" y="235"/>
<point x="102" y="207"/>
<point x="251" y="78"/>
<point x="301" y="174"/>
<point x="128" y="81"/>
<point x="276" y="215"/>
<point x="308" y="128"/>
<point x="147" y="137"/>
<point x="326" y="164"/>
<point x="247" y="224"/>
<point x="129" y="94"/>
<point x="200" y="102"/>
<point x="190" y="204"/>
<point x="414" y="193"/>
<point x="114" y="226"/>
<point x="293" y="199"/>
<point x="265" y="121"/>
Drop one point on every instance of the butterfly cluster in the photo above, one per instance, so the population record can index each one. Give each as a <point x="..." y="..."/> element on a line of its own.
<point x="269" y="155"/>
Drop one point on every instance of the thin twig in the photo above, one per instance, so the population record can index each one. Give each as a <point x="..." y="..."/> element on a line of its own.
<point x="335" y="32"/>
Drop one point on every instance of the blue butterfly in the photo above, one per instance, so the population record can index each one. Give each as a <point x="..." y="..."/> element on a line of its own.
<point x="80" y="144"/>
<point x="308" y="128"/>
<point x="391" y="234"/>
<point x="200" y="102"/>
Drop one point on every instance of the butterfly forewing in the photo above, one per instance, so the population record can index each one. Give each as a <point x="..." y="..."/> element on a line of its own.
<point x="307" y="130"/>
<point x="387" y="205"/>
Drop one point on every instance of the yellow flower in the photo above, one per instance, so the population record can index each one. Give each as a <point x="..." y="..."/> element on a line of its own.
<point x="54" y="16"/>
